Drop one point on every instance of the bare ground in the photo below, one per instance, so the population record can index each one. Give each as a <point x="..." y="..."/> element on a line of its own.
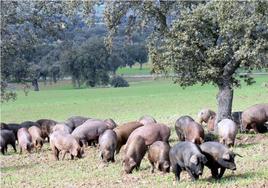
<point x="41" y="170"/>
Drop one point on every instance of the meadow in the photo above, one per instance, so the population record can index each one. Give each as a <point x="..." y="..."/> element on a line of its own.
<point x="159" y="98"/>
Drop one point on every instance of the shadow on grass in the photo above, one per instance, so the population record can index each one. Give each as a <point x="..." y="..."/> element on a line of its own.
<point x="245" y="145"/>
<point x="228" y="178"/>
<point x="15" y="168"/>
<point x="8" y="153"/>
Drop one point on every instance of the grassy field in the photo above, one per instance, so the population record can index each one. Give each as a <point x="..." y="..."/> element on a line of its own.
<point x="135" y="70"/>
<point x="161" y="99"/>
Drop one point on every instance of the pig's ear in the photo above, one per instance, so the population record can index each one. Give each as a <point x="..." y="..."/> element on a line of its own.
<point x="194" y="160"/>
<point x="204" y="159"/>
<point x="226" y="156"/>
<point x="132" y="162"/>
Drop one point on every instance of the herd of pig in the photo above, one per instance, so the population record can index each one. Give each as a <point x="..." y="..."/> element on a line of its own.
<point x="191" y="154"/>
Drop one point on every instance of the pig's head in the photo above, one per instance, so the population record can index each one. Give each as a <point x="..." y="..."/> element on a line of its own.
<point x="227" y="160"/>
<point x="110" y="123"/>
<point x="197" y="162"/>
<point x="211" y="123"/>
<point x="229" y="143"/>
<point x="80" y="152"/>
<point x="165" y="166"/>
<point x="106" y="155"/>
<point x="39" y="143"/>
<point x="129" y="164"/>
<point x="77" y="151"/>
<point x="29" y="147"/>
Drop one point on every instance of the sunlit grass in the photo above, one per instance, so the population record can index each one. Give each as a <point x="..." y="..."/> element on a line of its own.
<point x="161" y="99"/>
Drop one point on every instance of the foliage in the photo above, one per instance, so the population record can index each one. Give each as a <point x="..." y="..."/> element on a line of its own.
<point x="87" y="63"/>
<point x="202" y="42"/>
<point x="119" y="81"/>
<point x="137" y="53"/>
<point x="25" y="25"/>
<point x="211" y="42"/>
<point x="37" y="35"/>
<point x="7" y="94"/>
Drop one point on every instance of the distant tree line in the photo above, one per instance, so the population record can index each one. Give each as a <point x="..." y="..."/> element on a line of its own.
<point x="51" y="40"/>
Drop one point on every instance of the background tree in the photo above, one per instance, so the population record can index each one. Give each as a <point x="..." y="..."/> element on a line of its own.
<point x="204" y="42"/>
<point x="138" y="54"/>
<point x="211" y="42"/>
<point x="87" y="63"/>
<point x="94" y="55"/>
<point x="27" y="24"/>
<point x="116" y="59"/>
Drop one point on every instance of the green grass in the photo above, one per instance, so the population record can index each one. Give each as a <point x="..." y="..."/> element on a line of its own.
<point x="135" y="70"/>
<point x="146" y="70"/>
<point x="161" y="99"/>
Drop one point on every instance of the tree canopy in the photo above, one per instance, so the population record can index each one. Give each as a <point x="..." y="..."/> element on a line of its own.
<point x="202" y="42"/>
<point x="38" y="37"/>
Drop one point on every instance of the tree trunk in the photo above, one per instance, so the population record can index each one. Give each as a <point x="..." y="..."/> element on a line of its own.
<point x="54" y="78"/>
<point x="35" y="85"/>
<point x="140" y="66"/>
<point x="73" y="82"/>
<point x="45" y="80"/>
<point x="78" y="83"/>
<point x="225" y="100"/>
<point x="114" y="72"/>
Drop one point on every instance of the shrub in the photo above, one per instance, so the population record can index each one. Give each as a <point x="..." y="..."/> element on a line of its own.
<point x="119" y="81"/>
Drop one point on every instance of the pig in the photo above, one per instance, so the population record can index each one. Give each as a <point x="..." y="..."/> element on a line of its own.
<point x="133" y="154"/>
<point x="61" y="141"/>
<point x="62" y="127"/>
<point x="227" y="131"/>
<point x="76" y="121"/>
<point x="204" y="114"/>
<point x="36" y="135"/>
<point x="3" y="126"/>
<point x="123" y="133"/>
<point x="158" y="155"/>
<point x="184" y="120"/>
<point x="237" y="118"/>
<point x="211" y="123"/>
<point x="107" y="145"/>
<point x="187" y="129"/>
<point x="219" y="157"/>
<point x="24" y="140"/>
<point x="187" y="156"/>
<point x="111" y="122"/>
<point x="90" y="131"/>
<point x="46" y="126"/>
<point x="7" y="137"/>
<point x="255" y="117"/>
<point x="151" y="133"/>
<point x="28" y="124"/>
<point x="147" y="120"/>
<point x="14" y="127"/>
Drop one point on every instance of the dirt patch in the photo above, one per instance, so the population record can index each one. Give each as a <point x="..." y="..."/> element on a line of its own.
<point x="250" y="139"/>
